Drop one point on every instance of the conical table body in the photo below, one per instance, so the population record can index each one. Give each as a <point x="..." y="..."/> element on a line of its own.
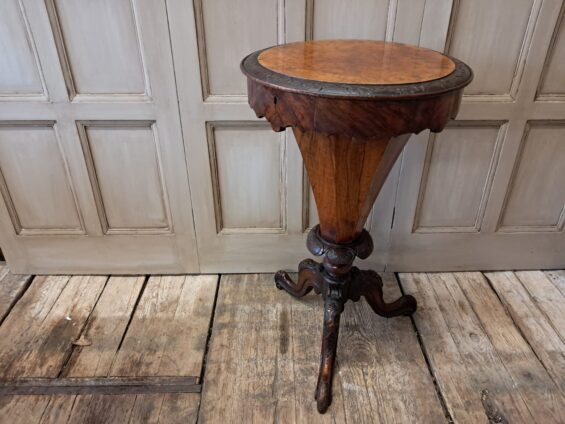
<point x="346" y="176"/>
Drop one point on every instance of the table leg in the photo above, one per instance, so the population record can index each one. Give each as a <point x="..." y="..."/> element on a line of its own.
<point x="333" y="307"/>
<point x="369" y="285"/>
<point x="309" y="277"/>
<point x="338" y="281"/>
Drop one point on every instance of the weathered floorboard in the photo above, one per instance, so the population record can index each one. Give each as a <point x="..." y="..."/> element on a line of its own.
<point x="111" y="409"/>
<point x="528" y="373"/>
<point x="20" y="327"/>
<point x="22" y="409"/>
<point x="497" y="355"/>
<point x="166" y="409"/>
<point x="462" y="399"/>
<point x="11" y="288"/>
<point x="168" y="332"/>
<point x="37" y="336"/>
<point x="166" y="336"/>
<point x="557" y="277"/>
<point x="105" y="328"/>
<point x="39" y="333"/>
<point x="533" y="323"/>
<point x="381" y="361"/>
<point x="478" y="380"/>
<point x="249" y="368"/>
<point x="100" y="385"/>
<point x="547" y="297"/>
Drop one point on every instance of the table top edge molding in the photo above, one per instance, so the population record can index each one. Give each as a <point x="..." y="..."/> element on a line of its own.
<point x="360" y="111"/>
<point x="461" y="76"/>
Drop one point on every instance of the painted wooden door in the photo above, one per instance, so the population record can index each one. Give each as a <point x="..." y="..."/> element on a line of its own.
<point x="489" y="191"/>
<point x="251" y="198"/>
<point x="94" y="176"/>
<point x="92" y="171"/>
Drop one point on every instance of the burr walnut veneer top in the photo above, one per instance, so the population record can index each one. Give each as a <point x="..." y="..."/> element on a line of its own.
<point x="357" y="62"/>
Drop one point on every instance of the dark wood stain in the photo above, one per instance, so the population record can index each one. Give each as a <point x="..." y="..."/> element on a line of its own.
<point x="284" y="329"/>
<point x="104" y="385"/>
<point x="493" y="413"/>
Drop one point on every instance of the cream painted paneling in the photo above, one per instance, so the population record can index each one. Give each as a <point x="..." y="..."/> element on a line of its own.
<point x="409" y="17"/>
<point x="245" y="179"/>
<point x="342" y="19"/>
<point x="501" y="195"/>
<point x="99" y="46"/>
<point x="19" y="72"/>
<point x="95" y="176"/>
<point x="457" y="177"/>
<point x="34" y="180"/>
<point x="538" y="180"/>
<point x="248" y="166"/>
<point x="229" y="32"/>
<point x="492" y="37"/>
<point x="122" y="75"/>
<point x="125" y="170"/>
<point x="553" y="81"/>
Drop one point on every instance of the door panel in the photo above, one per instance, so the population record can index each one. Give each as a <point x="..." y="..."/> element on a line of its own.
<point x="498" y="184"/>
<point x="339" y="19"/>
<point x="552" y="83"/>
<point x="125" y="170"/>
<point x="457" y="177"/>
<point x="243" y="202"/>
<point x="538" y="180"/>
<point x="94" y="177"/>
<point x="492" y="38"/>
<point x="35" y="182"/>
<point x="18" y="67"/>
<point x="99" y="46"/>
<point x="227" y="35"/>
<point x="243" y="175"/>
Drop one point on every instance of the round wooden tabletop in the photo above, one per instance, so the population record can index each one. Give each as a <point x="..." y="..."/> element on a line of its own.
<point x="356" y="68"/>
<point x="357" y="62"/>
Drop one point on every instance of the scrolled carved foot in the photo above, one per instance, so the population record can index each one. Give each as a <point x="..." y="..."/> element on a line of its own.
<point x="369" y="285"/>
<point x="309" y="277"/>
<point x="333" y="307"/>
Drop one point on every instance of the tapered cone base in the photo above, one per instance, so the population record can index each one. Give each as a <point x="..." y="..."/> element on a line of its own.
<point x="346" y="175"/>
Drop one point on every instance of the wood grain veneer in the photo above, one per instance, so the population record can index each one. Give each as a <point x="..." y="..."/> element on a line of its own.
<point x="357" y="62"/>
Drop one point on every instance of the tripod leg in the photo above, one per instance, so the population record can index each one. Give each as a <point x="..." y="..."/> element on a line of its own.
<point x="370" y="285"/>
<point x="332" y="311"/>
<point x="309" y="277"/>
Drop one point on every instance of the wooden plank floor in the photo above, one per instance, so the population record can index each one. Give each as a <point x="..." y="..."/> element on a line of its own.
<point x="482" y="348"/>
